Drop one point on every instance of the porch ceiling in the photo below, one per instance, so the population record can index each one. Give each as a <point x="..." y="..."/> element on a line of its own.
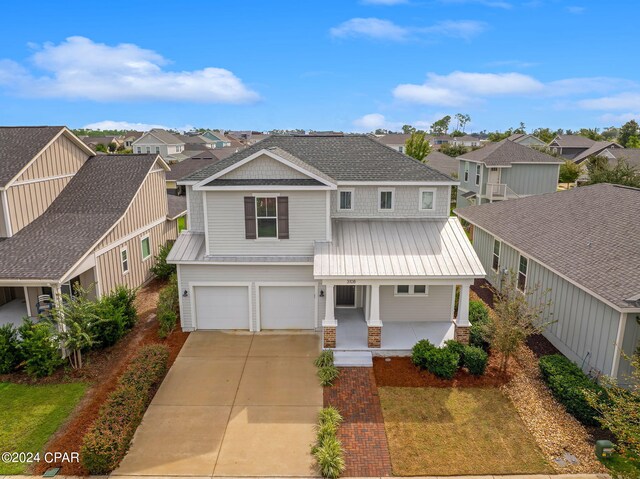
<point x="387" y="249"/>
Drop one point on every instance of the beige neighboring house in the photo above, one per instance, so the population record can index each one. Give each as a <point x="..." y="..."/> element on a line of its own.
<point x="70" y="216"/>
<point x="466" y="140"/>
<point x="527" y="140"/>
<point x="162" y="142"/>
<point x="397" y="141"/>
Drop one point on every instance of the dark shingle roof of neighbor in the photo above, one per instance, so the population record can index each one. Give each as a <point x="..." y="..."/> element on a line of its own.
<point x="176" y="206"/>
<point x="594" y="150"/>
<point x="19" y="145"/>
<point x="588" y="234"/>
<point x="91" y="203"/>
<point x="343" y="158"/>
<point x="443" y="163"/>
<point x="506" y="152"/>
<point x="630" y="155"/>
<point x="573" y="141"/>
<point x="190" y="165"/>
<point x="266" y="181"/>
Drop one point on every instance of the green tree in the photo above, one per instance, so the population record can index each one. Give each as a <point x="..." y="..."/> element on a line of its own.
<point x="457" y="133"/>
<point x="497" y="136"/>
<point x="569" y="172"/>
<point x="522" y="129"/>
<point x="461" y="121"/>
<point x="600" y="171"/>
<point x="545" y="134"/>
<point x="610" y="133"/>
<point x="100" y="147"/>
<point x="633" y="142"/>
<point x="591" y="133"/>
<point x="628" y="130"/>
<point x="417" y="146"/>
<point x="408" y="129"/>
<point x="453" y="150"/>
<point x="441" y="127"/>
<point x="112" y="147"/>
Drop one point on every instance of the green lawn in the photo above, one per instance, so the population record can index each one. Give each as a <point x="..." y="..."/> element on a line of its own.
<point x="622" y="466"/>
<point x="29" y="415"/>
<point x="457" y="431"/>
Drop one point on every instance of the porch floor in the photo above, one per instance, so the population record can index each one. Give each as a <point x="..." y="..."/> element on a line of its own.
<point x="351" y="334"/>
<point x="13" y="312"/>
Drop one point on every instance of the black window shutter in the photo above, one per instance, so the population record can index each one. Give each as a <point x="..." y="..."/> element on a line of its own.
<point x="250" y="217"/>
<point x="283" y="217"/>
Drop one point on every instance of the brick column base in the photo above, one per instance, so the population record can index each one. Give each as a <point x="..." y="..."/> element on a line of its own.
<point x="329" y="337"/>
<point x="374" y="334"/>
<point x="462" y="334"/>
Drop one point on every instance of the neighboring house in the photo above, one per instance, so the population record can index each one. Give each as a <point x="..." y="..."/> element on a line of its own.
<point x="130" y="137"/>
<point x="578" y="148"/>
<point x="630" y="155"/>
<point x="218" y="139"/>
<point x="93" y="141"/>
<point x="598" y="148"/>
<point x="102" y="229"/>
<point x="36" y="163"/>
<point x="339" y="233"/>
<point x="527" y="140"/>
<point x="441" y="140"/>
<point x="466" y="140"/>
<point x="162" y="142"/>
<point x="505" y="170"/>
<point x="197" y="142"/>
<point x="397" y="141"/>
<point x="443" y="163"/>
<point x="582" y="246"/>
<point x="196" y="161"/>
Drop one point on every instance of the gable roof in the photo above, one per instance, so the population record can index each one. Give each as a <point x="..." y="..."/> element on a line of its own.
<point x="342" y="158"/>
<point x="393" y="139"/>
<point x="176" y="206"/>
<point x="587" y="234"/>
<point x="196" y="162"/>
<point x="572" y="141"/>
<point x="443" y="163"/>
<point x="220" y="136"/>
<point x="630" y="155"/>
<point x="87" y="208"/>
<point x="195" y="139"/>
<point x="520" y="137"/>
<point x="19" y="145"/>
<point x="594" y="150"/>
<point x="505" y="153"/>
<point x="163" y="136"/>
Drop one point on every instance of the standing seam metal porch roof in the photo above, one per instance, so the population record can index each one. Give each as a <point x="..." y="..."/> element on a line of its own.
<point x="407" y="248"/>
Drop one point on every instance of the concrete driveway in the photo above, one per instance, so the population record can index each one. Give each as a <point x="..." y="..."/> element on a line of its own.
<point x="233" y="404"/>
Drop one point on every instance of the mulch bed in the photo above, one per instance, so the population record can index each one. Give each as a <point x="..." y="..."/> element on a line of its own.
<point x="541" y="346"/>
<point x="362" y="433"/>
<point x="102" y="370"/>
<point x="401" y="372"/>
<point x="484" y="291"/>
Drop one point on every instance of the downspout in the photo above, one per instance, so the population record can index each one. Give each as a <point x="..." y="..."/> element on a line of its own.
<point x="617" y="353"/>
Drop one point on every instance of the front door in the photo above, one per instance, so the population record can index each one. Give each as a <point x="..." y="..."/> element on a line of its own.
<point x="346" y="296"/>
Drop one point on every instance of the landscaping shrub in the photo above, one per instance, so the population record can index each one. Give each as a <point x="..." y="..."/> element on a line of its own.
<point x="479" y="319"/>
<point x="475" y="360"/>
<point x="325" y="359"/>
<point x="168" y="308"/>
<point x="9" y="352"/>
<point x="328" y="374"/>
<point x="112" y="325"/>
<point x="478" y="312"/>
<point x="419" y="350"/>
<point x="125" y="297"/>
<point x="161" y="268"/>
<point x="457" y="347"/>
<point x="442" y="362"/>
<point x="39" y="349"/>
<point x="568" y="384"/>
<point x="327" y="448"/>
<point x="108" y="438"/>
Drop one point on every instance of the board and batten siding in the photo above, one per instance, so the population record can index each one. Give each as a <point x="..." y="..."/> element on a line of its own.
<point x="434" y="307"/>
<point x="226" y="224"/>
<point x="195" y="216"/>
<point x="264" y="167"/>
<point x="583" y="328"/>
<point x="531" y="179"/>
<point x="203" y="273"/>
<point x="629" y="346"/>
<point x="35" y="189"/>
<point x="406" y="202"/>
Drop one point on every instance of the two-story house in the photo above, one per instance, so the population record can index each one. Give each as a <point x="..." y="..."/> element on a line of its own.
<point x="466" y="141"/>
<point x="161" y="142"/>
<point x="505" y="170"/>
<point x="397" y="141"/>
<point x="340" y="234"/>
<point x="527" y="139"/>
<point x="70" y="216"/>
<point x="578" y="148"/>
<point x="218" y="138"/>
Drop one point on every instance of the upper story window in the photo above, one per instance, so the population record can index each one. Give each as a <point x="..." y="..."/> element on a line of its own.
<point x="139" y="149"/>
<point x="148" y="149"/>
<point x="267" y="217"/>
<point x="427" y="199"/>
<point x="522" y="273"/>
<point x="497" y="246"/>
<point x="124" y="260"/>
<point x="385" y="200"/>
<point x="478" y="169"/>
<point x="345" y="200"/>
<point x="157" y="149"/>
<point x="145" y="248"/>
<point x="466" y="171"/>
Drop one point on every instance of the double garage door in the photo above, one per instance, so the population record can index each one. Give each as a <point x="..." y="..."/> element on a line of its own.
<point x="278" y="307"/>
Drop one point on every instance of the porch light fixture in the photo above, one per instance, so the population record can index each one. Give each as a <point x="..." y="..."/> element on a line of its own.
<point x="322" y="293"/>
<point x="185" y="293"/>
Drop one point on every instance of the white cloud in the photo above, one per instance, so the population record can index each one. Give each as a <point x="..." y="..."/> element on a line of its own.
<point x="486" y="3"/>
<point x="127" y="125"/>
<point x="613" y="119"/>
<point x="372" y="122"/>
<point x="80" y="68"/>
<point x="461" y="88"/>
<point x="621" y="101"/>
<point x="383" y="2"/>
<point x="380" y="29"/>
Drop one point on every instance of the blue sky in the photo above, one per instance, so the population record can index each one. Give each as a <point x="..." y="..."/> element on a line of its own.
<point x="351" y="65"/>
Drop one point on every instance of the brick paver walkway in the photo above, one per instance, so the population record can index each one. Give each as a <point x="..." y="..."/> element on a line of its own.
<point x="362" y="432"/>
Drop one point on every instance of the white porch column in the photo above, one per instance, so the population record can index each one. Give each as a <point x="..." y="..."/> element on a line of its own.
<point x="463" y="307"/>
<point x="27" y="300"/>
<point x="374" y="308"/>
<point x="329" y="323"/>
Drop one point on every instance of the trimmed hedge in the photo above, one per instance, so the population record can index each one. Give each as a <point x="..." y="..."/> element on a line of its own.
<point x="9" y="351"/>
<point x="39" y="348"/>
<point x="108" y="439"/>
<point x="567" y="383"/>
<point x="457" y="347"/>
<point x="475" y="360"/>
<point x="442" y="362"/>
<point x="479" y="319"/>
<point x="419" y="351"/>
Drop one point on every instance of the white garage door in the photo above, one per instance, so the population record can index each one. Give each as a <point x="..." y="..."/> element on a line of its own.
<point x="287" y="307"/>
<point x="222" y="307"/>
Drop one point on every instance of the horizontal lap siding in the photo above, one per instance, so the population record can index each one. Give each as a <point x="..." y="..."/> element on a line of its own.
<point x="629" y="346"/>
<point x="225" y="217"/>
<point x="233" y="273"/>
<point x="264" y="167"/>
<point x="434" y="307"/>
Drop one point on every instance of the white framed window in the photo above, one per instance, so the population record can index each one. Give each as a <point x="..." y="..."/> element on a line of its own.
<point x="401" y="149"/>
<point x="145" y="248"/>
<point x="523" y="266"/>
<point x="386" y="199"/>
<point x="411" y="290"/>
<point x="497" y="246"/>
<point x="139" y="149"/>
<point x="345" y="200"/>
<point x="266" y="217"/>
<point x="157" y="149"/>
<point x="124" y="260"/>
<point x="427" y="200"/>
<point x="466" y="171"/>
<point x="478" y="169"/>
<point x="148" y="149"/>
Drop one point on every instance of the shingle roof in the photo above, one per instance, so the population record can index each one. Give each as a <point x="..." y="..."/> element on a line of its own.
<point x="195" y="139"/>
<point x="506" y="152"/>
<point x="19" y="145"/>
<point x="572" y="141"/>
<point x="176" y="206"/>
<point x="594" y="150"/>
<point x="393" y="139"/>
<point x="443" y="163"/>
<point x="266" y="182"/>
<point x="588" y="234"/>
<point x="344" y="158"/>
<point x="165" y="136"/>
<point x="197" y="161"/>
<point x="631" y="155"/>
<point x="91" y="203"/>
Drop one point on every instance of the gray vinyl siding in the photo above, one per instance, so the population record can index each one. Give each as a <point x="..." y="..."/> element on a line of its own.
<point x="584" y="328"/>
<point x="629" y="346"/>
<point x="531" y="179"/>
<point x="405" y="202"/>
<point x="196" y="210"/>
<point x="264" y="167"/>
<point x="225" y="218"/>
<point x="189" y="274"/>
<point x="434" y="307"/>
